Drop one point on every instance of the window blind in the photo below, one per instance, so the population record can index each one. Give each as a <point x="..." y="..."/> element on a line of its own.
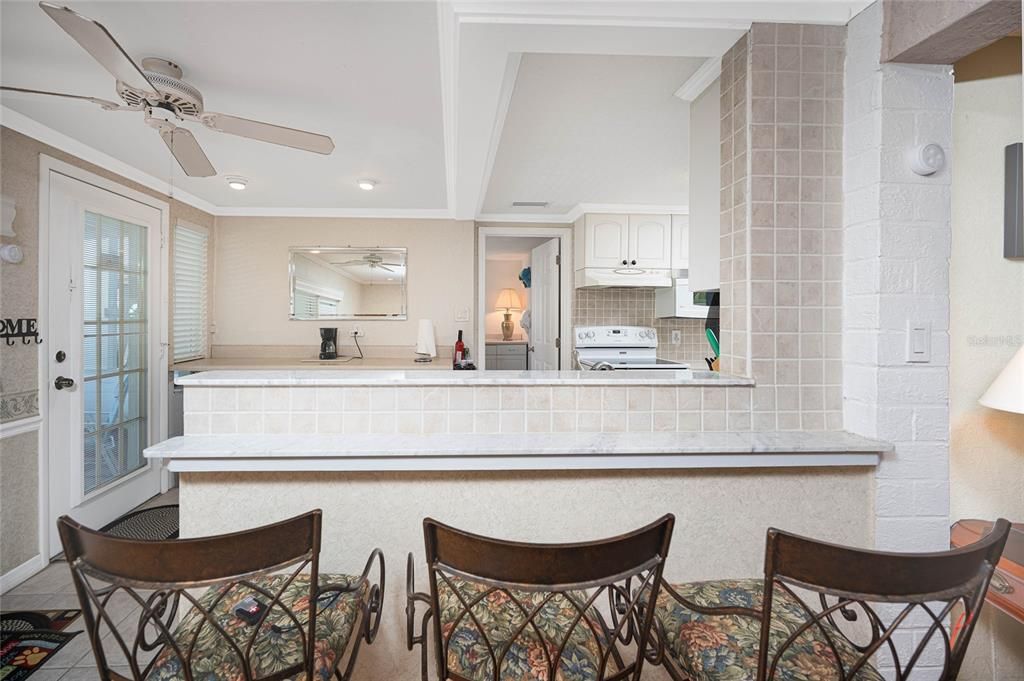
<point x="190" y="324"/>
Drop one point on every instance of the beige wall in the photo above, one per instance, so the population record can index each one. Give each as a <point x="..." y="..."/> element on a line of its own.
<point x="986" y="327"/>
<point x="250" y="294"/>
<point x="19" y="296"/>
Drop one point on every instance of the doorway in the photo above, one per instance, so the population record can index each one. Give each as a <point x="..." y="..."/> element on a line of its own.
<point x="524" y="297"/>
<point x="104" y="364"/>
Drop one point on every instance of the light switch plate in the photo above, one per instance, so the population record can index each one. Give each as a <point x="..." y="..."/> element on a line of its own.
<point x="919" y="342"/>
<point x="462" y="314"/>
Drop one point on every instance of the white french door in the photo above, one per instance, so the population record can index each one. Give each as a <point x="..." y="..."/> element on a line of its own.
<point x="105" y="358"/>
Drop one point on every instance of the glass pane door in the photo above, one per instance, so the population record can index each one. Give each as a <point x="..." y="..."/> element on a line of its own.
<point x="115" y="374"/>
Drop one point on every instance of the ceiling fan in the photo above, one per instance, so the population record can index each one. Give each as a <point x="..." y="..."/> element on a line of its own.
<point x="157" y="90"/>
<point x="373" y="261"/>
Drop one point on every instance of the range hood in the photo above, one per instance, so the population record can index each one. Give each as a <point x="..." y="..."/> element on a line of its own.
<point x="599" y="277"/>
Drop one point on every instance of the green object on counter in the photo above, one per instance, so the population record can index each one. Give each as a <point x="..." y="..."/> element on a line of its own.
<point x="712" y="340"/>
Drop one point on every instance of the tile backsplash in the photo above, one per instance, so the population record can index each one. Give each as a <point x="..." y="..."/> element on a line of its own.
<point x="635" y="307"/>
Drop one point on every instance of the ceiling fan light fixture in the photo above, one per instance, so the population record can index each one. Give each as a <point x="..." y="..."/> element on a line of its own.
<point x="367" y="185"/>
<point x="237" y="183"/>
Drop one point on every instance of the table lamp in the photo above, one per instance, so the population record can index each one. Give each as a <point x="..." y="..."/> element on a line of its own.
<point x="1007" y="391"/>
<point x="508" y="301"/>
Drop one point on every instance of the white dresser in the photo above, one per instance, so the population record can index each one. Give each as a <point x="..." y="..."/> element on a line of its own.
<point x="506" y="355"/>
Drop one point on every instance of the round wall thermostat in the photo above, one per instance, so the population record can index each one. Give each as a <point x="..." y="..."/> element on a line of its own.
<point x="11" y="253"/>
<point x="927" y="159"/>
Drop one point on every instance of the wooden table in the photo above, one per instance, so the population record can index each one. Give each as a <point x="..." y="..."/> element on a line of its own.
<point x="1006" y="591"/>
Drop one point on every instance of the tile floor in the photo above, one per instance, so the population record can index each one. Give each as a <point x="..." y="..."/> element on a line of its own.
<point x="52" y="589"/>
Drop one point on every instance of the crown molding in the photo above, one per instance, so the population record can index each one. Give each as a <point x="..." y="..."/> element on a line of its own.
<point x="292" y="212"/>
<point x="700" y="80"/>
<point x="580" y="209"/>
<point x="58" y="140"/>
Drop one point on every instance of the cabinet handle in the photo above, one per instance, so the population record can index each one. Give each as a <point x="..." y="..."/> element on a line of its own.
<point x="624" y="262"/>
<point x="633" y="263"/>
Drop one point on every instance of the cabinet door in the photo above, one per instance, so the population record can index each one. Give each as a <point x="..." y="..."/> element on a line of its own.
<point x="650" y="241"/>
<point x="680" y="242"/>
<point x="606" y="240"/>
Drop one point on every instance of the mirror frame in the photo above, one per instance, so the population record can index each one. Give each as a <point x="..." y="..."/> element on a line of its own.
<point x="293" y="250"/>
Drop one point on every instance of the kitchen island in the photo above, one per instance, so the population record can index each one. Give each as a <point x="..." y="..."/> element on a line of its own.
<point x="544" y="456"/>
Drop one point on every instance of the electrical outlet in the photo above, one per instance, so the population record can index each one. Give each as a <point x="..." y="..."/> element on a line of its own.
<point x="677" y="337"/>
<point x="356" y="332"/>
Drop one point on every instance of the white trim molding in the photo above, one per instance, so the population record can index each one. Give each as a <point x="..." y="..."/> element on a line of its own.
<point x="700" y="80"/>
<point x="580" y="209"/>
<point x="19" y="574"/>
<point x="20" y="426"/>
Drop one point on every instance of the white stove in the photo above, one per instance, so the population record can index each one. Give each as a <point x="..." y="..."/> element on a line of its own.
<point x="606" y="348"/>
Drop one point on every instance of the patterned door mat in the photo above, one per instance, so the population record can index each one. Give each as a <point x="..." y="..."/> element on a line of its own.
<point x="30" y="638"/>
<point x="156" y="522"/>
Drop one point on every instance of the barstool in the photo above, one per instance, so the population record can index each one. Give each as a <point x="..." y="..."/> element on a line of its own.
<point x="825" y="612"/>
<point x="246" y="605"/>
<point x="504" y="610"/>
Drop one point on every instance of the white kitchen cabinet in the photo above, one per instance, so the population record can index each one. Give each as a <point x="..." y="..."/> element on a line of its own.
<point x="650" y="242"/>
<point x="704" y="219"/>
<point x="680" y="242"/>
<point x="609" y="241"/>
<point x="605" y="240"/>
<point x="507" y="356"/>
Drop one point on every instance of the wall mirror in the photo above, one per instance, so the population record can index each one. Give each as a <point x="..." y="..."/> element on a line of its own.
<point x="347" y="283"/>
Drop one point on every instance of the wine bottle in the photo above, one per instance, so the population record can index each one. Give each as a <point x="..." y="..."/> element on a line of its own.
<point x="460" y="349"/>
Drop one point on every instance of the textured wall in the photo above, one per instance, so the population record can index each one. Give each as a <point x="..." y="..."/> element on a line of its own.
<point x="19" y="297"/>
<point x="986" y="327"/>
<point x="715" y="536"/>
<point x="896" y="266"/>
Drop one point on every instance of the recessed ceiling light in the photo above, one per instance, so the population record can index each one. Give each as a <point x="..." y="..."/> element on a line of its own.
<point x="315" y="251"/>
<point x="367" y="185"/>
<point x="237" y="183"/>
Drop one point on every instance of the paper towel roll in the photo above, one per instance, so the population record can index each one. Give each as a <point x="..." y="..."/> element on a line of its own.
<point x="425" y="339"/>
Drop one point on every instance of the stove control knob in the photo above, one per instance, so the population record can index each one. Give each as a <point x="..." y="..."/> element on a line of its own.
<point x="579" y="334"/>
<point x="590" y="334"/>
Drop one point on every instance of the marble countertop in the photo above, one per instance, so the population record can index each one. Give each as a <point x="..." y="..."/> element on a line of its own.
<point x="530" y="451"/>
<point x="414" y="376"/>
<point x="311" y="364"/>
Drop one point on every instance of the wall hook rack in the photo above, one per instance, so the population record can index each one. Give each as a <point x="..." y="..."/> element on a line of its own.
<point x="24" y="328"/>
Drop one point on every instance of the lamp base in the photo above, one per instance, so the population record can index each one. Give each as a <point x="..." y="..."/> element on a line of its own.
<point x="423" y="359"/>
<point x="507" y="327"/>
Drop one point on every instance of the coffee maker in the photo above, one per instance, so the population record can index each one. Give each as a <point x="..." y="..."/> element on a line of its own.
<point x="328" y="343"/>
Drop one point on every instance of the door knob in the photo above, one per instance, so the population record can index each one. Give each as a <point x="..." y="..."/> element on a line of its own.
<point x="61" y="382"/>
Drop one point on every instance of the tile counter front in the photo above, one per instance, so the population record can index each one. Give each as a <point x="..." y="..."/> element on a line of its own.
<point x="560" y="458"/>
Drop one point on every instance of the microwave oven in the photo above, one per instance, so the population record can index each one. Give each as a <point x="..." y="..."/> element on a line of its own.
<point x="679" y="301"/>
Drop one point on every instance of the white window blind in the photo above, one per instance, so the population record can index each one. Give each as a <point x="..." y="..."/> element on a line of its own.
<point x="190" y="325"/>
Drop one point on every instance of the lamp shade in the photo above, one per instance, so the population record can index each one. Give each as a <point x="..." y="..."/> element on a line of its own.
<point x="1007" y="391"/>
<point x="508" y="299"/>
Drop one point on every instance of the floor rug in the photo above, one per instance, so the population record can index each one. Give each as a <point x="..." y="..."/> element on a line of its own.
<point x="30" y="638"/>
<point x="157" y="522"/>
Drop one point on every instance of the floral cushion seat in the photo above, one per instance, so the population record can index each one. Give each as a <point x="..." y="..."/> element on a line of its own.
<point x="278" y="645"/>
<point x="724" y="647"/>
<point x="532" y="649"/>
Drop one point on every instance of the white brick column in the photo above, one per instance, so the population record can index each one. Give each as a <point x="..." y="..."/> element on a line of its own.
<point x="896" y="247"/>
<point x="896" y="250"/>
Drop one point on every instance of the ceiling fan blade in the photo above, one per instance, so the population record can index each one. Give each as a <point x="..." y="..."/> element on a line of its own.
<point x="386" y="269"/>
<point x="97" y="41"/>
<point x="187" y="152"/>
<point x="266" y="132"/>
<point x="106" y="104"/>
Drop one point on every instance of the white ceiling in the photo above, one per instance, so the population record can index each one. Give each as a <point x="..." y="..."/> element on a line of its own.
<point x="593" y="129"/>
<point x="367" y="74"/>
<point x="415" y="95"/>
